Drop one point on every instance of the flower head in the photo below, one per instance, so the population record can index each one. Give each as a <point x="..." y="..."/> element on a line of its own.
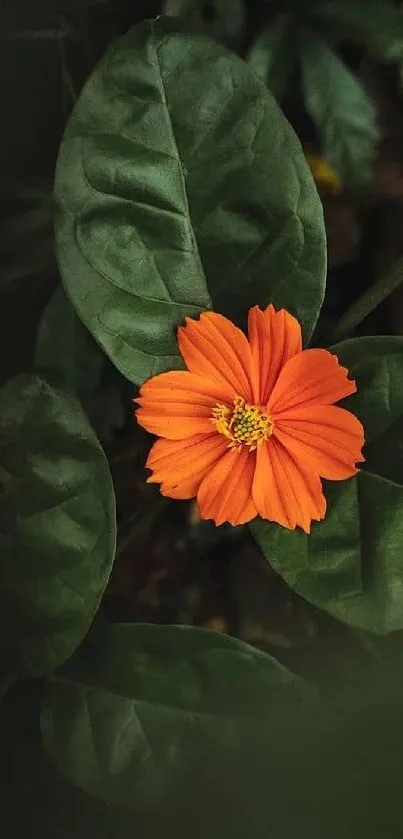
<point x="250" y="428"/>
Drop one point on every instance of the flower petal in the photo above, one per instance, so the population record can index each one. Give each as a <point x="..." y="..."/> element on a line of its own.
<point x="164" y="423"/>
<point x="180" y="465"/>
<point x="215" y="348"/>
<point x="327" y="438"/>
<point x="311" y="377"/>
<point x="177" y="405"/>
<point x="284" y="491"/>
<point x="225" y="494"/>
<point x="274" y="337"/>
<point x="182" y="386"/>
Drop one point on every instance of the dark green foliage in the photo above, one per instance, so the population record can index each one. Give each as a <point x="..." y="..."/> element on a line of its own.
<point x="197" y="195"/>
<point x="57" y="526"/>
<point x="141" y="708"/>
<point x="351" y="564"/>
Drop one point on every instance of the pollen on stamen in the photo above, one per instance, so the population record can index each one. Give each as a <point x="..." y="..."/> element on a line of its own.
<point x="243" y="425"/>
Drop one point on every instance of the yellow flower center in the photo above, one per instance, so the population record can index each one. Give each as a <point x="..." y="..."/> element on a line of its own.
<point x="244" y="424"/>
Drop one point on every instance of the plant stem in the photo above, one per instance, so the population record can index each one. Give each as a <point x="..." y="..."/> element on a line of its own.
<point x="372" y="297"/>
<point x="68" y="88"/>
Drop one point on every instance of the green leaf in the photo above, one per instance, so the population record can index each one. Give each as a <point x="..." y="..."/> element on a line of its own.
<point x="343" y="113"/>
<point x="376" y="24"/>
<point x="65" y="346"/>
<point x="223" y="19"/>
<point x="272" y="55"/>
<point x="57" y="525"/>
<point x="181" y="186"/>
<point x="351" y="564"/>
<point x="140" y="708"/>
<point x="341" y="754"/>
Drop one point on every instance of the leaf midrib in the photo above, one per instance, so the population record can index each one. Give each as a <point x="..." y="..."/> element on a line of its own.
<point x="178" y="157"/>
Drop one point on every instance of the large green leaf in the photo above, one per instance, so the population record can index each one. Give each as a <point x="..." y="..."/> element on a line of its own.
<point x="180" y="186"/>
<point x="140" y="709"/>
<point x="342" y="111"/>
<point x="65" y="346"/>
<point x="351" y="564"/>
<point x="57" y="525"/>
<point x="376" y="24"/>
<point x="272" y="55"/>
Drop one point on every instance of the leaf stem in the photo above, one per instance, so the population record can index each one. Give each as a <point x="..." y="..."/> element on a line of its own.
<point x="370" y="300"/>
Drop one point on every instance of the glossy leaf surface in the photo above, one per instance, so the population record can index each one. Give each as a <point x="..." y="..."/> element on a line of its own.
<point x="351" y="565"/>
<point x="181" y="187"/>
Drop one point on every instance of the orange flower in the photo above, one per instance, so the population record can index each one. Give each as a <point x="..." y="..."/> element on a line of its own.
<point x="250" y="428"/>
